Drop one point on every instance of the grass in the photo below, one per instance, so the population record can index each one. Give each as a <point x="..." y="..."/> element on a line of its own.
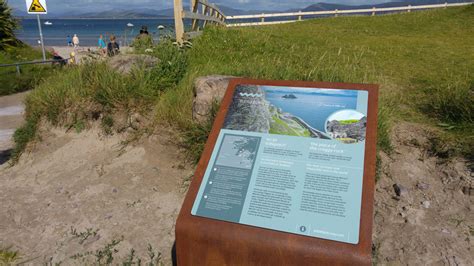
<point x="8" y="256"/>
<point x="278" y="126"/>
<point x="74" y="96"/>
<point x="30" y="76"/>
<point x="348" y="122"/>
<point x="423" y="61"/>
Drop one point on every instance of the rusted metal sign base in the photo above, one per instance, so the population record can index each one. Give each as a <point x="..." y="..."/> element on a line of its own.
<point x="203" y="241"/>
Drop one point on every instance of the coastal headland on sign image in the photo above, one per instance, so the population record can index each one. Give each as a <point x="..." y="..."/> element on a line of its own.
<point x="289" y="111"/>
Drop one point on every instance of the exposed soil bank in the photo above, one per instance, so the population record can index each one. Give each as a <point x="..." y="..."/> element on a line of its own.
<point x="431" y="220"/>
<point x="79" y="181"/>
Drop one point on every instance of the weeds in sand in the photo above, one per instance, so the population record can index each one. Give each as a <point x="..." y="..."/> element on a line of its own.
<point x="105" y="255"/>
<point x="471" y="230"/>
<point x="8" y="256"/>
<point x="194" y="137"/>
<point x="133" y="204"/>
<point x="83" y="236"/>
<point x="107" y="123"/>
<point x="154" y="258"/>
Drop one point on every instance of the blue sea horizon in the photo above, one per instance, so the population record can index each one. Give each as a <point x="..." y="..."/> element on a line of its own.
<point x="88" y="30"/>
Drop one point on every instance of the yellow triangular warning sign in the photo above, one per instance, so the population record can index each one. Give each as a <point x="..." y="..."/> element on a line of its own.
<point x="36" y="7"/>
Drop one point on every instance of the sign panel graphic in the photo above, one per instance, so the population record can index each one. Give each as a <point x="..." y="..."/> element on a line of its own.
<point x="289" y="159"/>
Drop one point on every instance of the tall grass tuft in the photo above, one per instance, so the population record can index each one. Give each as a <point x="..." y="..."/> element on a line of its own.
<point x="90" y="91"/>
<point x="451" y="102"/>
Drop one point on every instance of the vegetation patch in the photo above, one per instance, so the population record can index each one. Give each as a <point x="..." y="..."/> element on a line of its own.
<point x="8" y="256"/>
<point x="74" y="96"/>
<point x="423" y="61"/>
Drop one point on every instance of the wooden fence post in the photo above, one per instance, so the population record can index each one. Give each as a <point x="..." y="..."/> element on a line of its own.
<point x="263" y="18"/>
<point x="205" y="10"/>
<point x="445" y="4"/>
<point x="178" y="20"/>
<point x="194" y="8"/>
<point x="299" y="17"/>
<point x="335" y="12"/>
<point x="409" y="8"/>
<point x="373" y="11"/>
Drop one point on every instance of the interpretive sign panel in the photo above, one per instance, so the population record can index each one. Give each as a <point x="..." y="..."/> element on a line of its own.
<point x="289" y="159"/>
<point x="287" y="177"/>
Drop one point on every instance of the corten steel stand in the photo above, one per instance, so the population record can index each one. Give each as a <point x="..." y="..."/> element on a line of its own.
<point x="204" y="241"/>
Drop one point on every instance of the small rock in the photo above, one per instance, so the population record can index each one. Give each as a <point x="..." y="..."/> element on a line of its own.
<point x="422" y="186"/>
<point x="207" y="91"/>
<point x="468" y="191"/>
<point x="114" y="190"/>
<point x="400" y="190"/>
<point x="426" y="204"/>
<point x="115" y="224"/>
<point x="445" y="231"/>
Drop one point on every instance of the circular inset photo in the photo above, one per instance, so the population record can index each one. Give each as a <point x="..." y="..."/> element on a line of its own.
<point x="347" y="126"/>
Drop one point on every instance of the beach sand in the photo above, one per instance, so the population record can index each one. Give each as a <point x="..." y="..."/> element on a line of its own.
<point x="72" y="181"/>
<point x="65" y="51"/>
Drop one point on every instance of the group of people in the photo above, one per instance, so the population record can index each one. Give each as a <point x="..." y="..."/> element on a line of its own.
<point x="110" y="49"/>
<point x="74" y="41"/>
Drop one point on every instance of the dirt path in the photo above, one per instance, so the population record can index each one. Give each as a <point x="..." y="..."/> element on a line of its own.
<point x="11" y="117"/>
<point x="78" y="193"/>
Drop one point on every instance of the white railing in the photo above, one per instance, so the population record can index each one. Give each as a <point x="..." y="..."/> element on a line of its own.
<point x="298" y="16"/>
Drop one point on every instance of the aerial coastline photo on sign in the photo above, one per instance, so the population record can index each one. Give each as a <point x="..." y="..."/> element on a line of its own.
<point x="304" y="112"/>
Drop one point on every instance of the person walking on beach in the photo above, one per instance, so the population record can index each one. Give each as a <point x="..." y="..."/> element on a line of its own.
<point x="113" y="47"/>
<point x="75" y="41"/>
<point x="69" y="40"/>
<point x="102" y="45"/>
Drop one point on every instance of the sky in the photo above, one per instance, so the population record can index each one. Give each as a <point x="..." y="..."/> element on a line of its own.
<point x="61" y="6"/>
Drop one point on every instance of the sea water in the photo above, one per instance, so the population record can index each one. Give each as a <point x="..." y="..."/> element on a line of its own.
<point x="88" y="30"/>
<point x="314" y="109"/>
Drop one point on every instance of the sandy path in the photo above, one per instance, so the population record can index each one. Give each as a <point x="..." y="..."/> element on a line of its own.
<point x="65" y="51"/>
<point x="83" y="181"/>
<point x="11" y="117"/>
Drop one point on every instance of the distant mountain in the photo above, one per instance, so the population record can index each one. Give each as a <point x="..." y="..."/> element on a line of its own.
<point x="119" y="13"/>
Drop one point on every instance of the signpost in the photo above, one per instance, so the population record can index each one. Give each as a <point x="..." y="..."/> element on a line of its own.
<point x="287" y="177"/>
<point x="38" y="7"/>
